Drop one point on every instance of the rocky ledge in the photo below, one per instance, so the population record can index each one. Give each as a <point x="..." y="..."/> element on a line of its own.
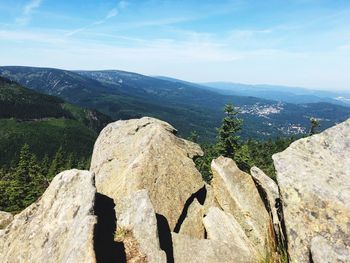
<point x="149" y="204"/>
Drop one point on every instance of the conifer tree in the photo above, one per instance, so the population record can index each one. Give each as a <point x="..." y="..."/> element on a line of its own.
<point x="314" y="125"/>
<point x="228" y="139"/>
<point x="193" y="137"/>
<point x="243" y="158"/>
<point x="82" y="164"/>
<point x="22" y="173"/>
<point x="69" y="162"/>
<point x="57" y="164"/>
<point x="45" y="165"/>
<point x="36" y="185"/>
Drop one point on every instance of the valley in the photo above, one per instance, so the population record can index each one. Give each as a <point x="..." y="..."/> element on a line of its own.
<point x="190" y="107"/>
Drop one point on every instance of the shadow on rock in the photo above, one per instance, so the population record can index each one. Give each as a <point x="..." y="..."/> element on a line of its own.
<point x="107" y="250"/>
<point x="165" y="240"/>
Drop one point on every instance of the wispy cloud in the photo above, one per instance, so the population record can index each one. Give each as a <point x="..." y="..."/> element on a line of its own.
<point x="123" y="4"/>
<point x="37" y="38"/>
<point x="30" y="6"/>
<point x="344" y="47"/>
<point x="110" y="14"/>
<point x="27" y="11"/>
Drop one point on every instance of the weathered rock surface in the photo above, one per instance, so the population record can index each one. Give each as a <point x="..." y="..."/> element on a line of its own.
<point x="193" y="223"/>
<point x="145" y="154"/>
<point x="223" y="227"/>
<point x="210" y="199"/>
<point x="136" y="220"/>
<point x="313" y="175"/>
<point x="272" y="199"/>
<point x="322" y="251"/>
<point x="237" y="194"/>
<point x="5" y="219"/>
<point x="57" y="228"/>
<point x="191" y="250"/>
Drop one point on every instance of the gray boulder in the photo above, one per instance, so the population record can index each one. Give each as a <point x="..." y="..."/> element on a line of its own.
<point x="191" y="250"/>
<point x="224" y="228"/>
<point x="145" y="154"/>
<point x="137" y="228"/>
<point x="270" y="192"/>
<point x="324" y="252"/>
<point x="313" y="175"/>
<point x="59" y="227"/>
<point x="236" y="193"/>
<point x="193" y="223"/>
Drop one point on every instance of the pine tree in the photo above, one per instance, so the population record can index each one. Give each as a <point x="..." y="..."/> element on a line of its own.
<point x="314" y="125"/>
<point x="22" y="173"/>
<point x="45" y="165"/>
<point x="37" y="183"/>
<point x="228" y="139"/>
<point x="69" y="162"/>
<point x="21" y="191"/>
<point x="243" y="158"/>
<point x="82" y="164"/>
<point x="57" y="164"/>
<point x="193" y="137"/>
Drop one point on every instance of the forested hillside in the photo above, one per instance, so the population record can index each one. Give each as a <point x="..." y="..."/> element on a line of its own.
<point x="40" y="135"/>
<point x="188" y="107"/>
<point x="45" y="123"/>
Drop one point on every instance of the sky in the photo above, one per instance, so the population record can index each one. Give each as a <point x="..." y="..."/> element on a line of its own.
<point x="303" y="43"/>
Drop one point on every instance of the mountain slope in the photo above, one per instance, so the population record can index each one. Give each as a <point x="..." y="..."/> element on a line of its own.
<point x="45" y="123"/>
<point x="187" y="106"/>
<point x="263" y="118"/>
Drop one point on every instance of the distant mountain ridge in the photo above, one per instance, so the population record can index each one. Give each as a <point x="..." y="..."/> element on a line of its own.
<point x="188" y="106"/>
<point x="281" y="93"/>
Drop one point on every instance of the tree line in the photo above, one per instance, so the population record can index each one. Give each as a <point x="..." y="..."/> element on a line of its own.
<point x="247" y="153"/>
<point x="24" y="182"/>
<point x="26" y="179"/>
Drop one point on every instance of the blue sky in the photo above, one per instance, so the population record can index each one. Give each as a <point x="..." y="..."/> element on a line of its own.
<point x="290" y="42"/>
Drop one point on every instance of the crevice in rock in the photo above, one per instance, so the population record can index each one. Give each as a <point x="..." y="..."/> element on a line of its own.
<point x="106" y="249"/>
<point x="279" y="207"/>
<point x="141" y="126"/>
<point x="200" y="195"/>
<point x="165" y="240"/>
<point x="263" y="197"/>
<point x="310" y="257"/>
<point x="280" y="234"/>
<point x="280" y="214"/>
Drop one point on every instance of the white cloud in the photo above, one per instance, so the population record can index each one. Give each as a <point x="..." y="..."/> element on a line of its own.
<point x="31" y="6"/>
<point x="27" y="11"/>
<point x="123" y="4"/>
<point x="344" y="47"/>
<point x="42" y="38"/>
<point x="112" y="13"/>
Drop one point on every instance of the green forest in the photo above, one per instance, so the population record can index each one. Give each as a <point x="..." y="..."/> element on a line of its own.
<point x="25" y="181"/>
<point x="27" y="177"/>
<point x="40" y="135"/>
